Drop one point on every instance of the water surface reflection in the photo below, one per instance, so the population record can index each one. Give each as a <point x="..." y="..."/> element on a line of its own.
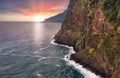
<point x="38" y="31"/>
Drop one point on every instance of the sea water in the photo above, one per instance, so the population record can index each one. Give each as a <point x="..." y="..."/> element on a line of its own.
<point x="27" y="50"/>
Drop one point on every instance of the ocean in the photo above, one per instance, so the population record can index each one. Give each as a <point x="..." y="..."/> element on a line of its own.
<point x="27" y="50"/>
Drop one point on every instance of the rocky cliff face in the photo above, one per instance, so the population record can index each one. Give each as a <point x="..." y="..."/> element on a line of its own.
<point x="92" y="27"/>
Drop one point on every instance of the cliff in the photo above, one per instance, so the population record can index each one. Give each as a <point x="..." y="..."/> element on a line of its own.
<point x="57" y="18"/>
<point x="92" y="27"/>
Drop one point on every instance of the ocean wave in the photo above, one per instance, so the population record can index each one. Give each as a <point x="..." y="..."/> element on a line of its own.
<point x="44" y="58"/>
<point x="87" y="73"/>
<point x="38" y="74"/>
<point x="20" y="55"/>
<point x="43" y="48"/>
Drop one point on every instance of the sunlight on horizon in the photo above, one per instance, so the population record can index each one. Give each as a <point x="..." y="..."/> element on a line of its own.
<point x="38" y="18"/>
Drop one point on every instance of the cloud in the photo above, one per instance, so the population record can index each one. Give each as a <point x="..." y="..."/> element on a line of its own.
<point x="32" y="7"/>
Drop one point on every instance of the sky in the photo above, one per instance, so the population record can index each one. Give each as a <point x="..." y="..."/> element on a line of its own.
<point x="27" y="10"/>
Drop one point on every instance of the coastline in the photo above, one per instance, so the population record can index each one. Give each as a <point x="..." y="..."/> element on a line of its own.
<point x="87" y="71"/>
<point x="78" y="61"/>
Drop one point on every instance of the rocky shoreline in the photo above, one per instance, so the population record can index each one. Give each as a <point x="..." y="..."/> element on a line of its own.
<point x="72" y="57"/>
<point x="77" y="60"/>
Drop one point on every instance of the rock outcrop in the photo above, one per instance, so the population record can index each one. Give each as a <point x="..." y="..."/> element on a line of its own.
<point x="57" y="18"/>
<point x="92" y="27"/>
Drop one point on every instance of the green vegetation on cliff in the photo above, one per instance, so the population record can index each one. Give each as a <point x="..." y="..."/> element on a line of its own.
<point x="112" y="9"/>
<point x="93" y="29"/>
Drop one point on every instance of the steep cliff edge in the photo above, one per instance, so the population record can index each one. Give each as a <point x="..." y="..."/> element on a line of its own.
<point x="92" y="27"/>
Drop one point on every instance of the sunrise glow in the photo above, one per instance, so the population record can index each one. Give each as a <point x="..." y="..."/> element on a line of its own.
<point x="30" y="10"/>
<point x="38" y="18"/>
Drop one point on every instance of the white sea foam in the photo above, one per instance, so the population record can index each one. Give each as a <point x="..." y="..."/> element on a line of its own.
<point x="38" y="74"/>
<point x="36" y="52"/>
<point x="12" y="50"/>
<point x="42" y="58"/>
<point x="87" y="73"/>
<point x="43" y="48"/>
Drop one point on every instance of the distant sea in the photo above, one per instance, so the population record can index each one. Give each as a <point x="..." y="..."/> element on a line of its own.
<point x="27" y="50"/>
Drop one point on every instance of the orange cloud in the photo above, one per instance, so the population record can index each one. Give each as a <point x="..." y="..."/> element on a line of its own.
<point x="41" y="7"/>
<point x="30" y="8"/>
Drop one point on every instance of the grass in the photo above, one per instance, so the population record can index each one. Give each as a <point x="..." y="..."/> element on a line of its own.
<point x="112" y="12"/>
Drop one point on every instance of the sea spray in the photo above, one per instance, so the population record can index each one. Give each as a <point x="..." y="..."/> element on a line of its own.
<point x="87" y="73"/>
